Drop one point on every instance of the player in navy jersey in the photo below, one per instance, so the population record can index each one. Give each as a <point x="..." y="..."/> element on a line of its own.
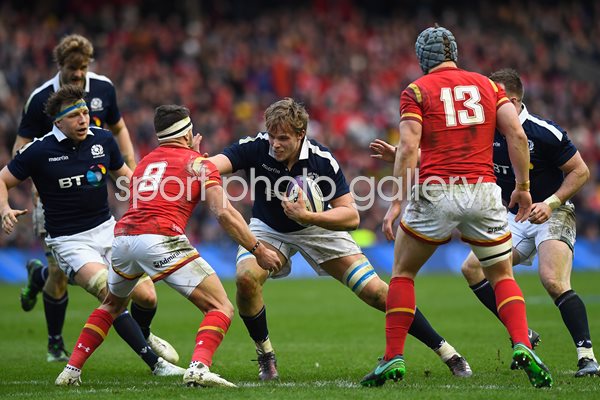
<point x="284" y="151"/>
<point x="557" y="172"/>
<point x="73" y="55"/>
<point x="69" y="166"/>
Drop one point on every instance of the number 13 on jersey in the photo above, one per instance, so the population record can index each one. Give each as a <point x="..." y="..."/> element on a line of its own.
<point x="470" y="97"/>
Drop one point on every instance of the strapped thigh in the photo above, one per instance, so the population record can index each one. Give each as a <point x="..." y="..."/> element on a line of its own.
<point x="359" y="274"/>
<point x="97" y="282"/>
<point x="490" y="254"/>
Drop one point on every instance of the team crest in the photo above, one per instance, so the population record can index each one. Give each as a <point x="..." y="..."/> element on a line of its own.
<point x="312" y="175"/>
<point x="96" y="104"/>
<point x="97" y="151"/>
<point x="530" y="145"/>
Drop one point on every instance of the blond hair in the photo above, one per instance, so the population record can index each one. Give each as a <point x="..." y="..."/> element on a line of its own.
<point x="73" y="46"/>
<point x="286" y="115"/>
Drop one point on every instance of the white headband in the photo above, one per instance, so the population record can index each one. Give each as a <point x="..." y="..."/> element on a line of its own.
<point x="176" y="130"/>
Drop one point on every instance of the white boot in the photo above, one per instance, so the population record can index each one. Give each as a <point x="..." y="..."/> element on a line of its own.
<point x="70" y="376"/>
<point x="200" y="375"/>
<point x="163" y="349"/>
<point x="165" y="368"/>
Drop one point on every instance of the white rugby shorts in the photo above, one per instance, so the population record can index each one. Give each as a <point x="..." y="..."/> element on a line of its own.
<point x="527" y="237"/>
<point x="37" y="216"/>
<point x="74" y="251"/>
<point x="317" y="245"/>
<point x="169" y="258"/>
<point x="476" y="210"/>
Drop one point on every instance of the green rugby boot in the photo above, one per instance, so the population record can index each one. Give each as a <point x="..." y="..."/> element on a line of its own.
<point x="29" y="293"/>
<point x="525" y="359"/>
<point x="392" y="369"/>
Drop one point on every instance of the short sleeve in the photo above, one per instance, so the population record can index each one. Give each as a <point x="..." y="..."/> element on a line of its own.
<point x="23" y="164"/>
<point x="242" y="153"/>
<point x="207" y="172"/>
<point x="501" y="97"/>
<point x="33" y="120"/>
<point x="116" y="159"/>
<point x="114" y="115"/>
<point x="559" y="151"/>
<point x="411" y="101"/>
<point x="334" y="174"/>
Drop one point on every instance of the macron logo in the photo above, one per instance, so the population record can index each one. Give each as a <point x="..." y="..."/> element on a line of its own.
<point x="60" y="158"/>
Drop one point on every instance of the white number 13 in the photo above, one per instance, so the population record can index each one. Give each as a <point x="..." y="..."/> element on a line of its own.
<point x="470" y="97"/>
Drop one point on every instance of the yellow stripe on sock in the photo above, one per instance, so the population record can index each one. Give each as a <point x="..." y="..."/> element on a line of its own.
<point x="96" y="329"/>
<point x="400" y="309"/>
<point x="510" y="299"/>
<point x="212" y="328"/>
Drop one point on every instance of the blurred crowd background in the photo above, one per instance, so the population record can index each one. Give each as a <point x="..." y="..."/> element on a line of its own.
<point x="347" y="61"/>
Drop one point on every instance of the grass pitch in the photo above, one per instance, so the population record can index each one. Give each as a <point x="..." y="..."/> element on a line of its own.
<point x="325" y="340"/>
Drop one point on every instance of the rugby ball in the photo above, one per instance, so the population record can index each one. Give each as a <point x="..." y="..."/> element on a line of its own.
<point x="311" y="193"/>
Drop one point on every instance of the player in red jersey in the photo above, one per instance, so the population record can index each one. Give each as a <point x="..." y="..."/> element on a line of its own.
<point x="150" y="238"/>
<point x="451" y="114"/>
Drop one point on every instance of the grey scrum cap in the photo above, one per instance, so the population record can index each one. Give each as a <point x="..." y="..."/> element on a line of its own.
<point x="434" y="46"/>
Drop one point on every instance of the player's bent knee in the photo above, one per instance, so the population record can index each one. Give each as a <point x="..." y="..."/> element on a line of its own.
<point x="358" y="275"/>
<point x="247" y="281"/>
<point x="227" y="309"/>
<point x="555" y="287"/>
<point x="96" y="285"/>
<point x="56" y="284"/>
<point x="144" y="293"/>
<point x="490" y="255"/>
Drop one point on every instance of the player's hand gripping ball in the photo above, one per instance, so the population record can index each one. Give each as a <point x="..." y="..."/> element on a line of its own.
<point x="311" y="193"/>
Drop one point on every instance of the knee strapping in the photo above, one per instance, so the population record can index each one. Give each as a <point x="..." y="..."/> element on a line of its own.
<point x="143" y="279"/>
<point x="358" y="275"/>
<point x="97" y="282"/>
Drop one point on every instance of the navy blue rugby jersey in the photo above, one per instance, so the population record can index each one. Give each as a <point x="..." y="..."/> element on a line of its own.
<point x="100" y="97"/>
<point x="255" y="154"/>
<point x="549" y="148"/>
<point x="71" y="179"/>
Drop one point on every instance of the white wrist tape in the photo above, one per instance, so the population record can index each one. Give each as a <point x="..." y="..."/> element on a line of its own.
<point x="553" y="201"/>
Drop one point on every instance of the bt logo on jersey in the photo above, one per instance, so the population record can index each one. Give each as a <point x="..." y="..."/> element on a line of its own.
<point x="65" y="183"/>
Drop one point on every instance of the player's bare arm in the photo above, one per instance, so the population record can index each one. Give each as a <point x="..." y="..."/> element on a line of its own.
<point x="9" y="216"/>
<point x="123" y="171"/>
<point x="222" y="163"/>
<point x="576" y="175"/>
<point x="235" y="226"/>
<point x="342" y="216"/>
<point x="509" y="125"/>
<point x="121" y="134"/>
<point x="406" y="160"/>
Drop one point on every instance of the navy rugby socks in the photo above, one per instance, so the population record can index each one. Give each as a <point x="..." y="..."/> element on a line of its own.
<point x="485" y="293"/>
<point x="55" y="310"/>
<point x="422" y="330"/>
<point x="130" y="331"/>
<point x="143" y="316"/>
<point x="574" y="315"/>
<point x="257" y="325"/>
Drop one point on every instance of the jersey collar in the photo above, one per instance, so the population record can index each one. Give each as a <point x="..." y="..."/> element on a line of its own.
<point x="303" y="150"/>
<point x="523" y="115"/>
<point x="56" y="82"/>
<point x="60" y="136"/>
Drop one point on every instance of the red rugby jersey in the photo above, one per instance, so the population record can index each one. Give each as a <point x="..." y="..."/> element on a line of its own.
<point x="165" y="187"/>
<point x="457" y="110"/>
